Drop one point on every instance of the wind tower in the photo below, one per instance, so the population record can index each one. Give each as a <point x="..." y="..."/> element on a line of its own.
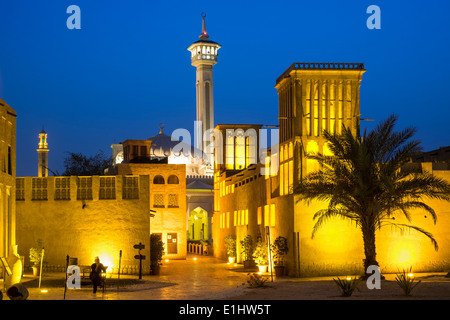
<point x="42" y="154"/>
<point x="203" y="57"/>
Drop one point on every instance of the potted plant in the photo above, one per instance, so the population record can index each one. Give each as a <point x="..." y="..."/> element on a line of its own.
<point x="247" y="251"/>
<point x="36" y="256"/>
<point x="260" y="255"/>
<point x="279" y="250"/>
<point x="230" y="244"/>
<point x="156" y="253"/>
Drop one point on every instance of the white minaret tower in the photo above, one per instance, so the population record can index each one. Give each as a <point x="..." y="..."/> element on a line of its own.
<point x="42" y="154"/>
<point x="203" y="57"/>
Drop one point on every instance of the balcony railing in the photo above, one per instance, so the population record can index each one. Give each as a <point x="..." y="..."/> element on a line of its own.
<point x="204" y="57"/>
<point x="321" y="66"/>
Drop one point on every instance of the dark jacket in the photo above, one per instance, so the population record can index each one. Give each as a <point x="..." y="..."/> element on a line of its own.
<point x="96" y="272"/>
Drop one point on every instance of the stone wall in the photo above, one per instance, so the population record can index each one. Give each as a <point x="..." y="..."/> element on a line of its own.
<point x="85" y="228"/>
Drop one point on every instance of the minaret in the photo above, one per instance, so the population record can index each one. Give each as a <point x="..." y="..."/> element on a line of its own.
<point x="42" y="154"/>
<point x="203" y="57"/>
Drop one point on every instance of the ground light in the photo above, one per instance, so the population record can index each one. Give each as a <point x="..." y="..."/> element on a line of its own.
<point x="44" y="290"/>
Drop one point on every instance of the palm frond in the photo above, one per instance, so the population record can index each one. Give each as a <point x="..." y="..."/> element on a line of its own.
<point x="403" y="227"/>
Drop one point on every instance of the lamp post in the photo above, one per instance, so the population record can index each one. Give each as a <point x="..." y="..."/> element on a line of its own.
<point x="151" y="215"/>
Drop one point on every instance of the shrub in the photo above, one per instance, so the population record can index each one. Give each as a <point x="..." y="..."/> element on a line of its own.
<point x="347" y="285"/>
<point x="279" y="250"/>
<point x="230" y="244"/>
<point x="255" y="280"/>
<point x="247" y="248"/>
<point x="406" y="281"/>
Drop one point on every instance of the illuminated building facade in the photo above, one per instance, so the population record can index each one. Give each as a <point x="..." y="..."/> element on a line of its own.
<point x="156" y="155"/>
<point x="7" y="178"/>
<point x="313" y="97"/>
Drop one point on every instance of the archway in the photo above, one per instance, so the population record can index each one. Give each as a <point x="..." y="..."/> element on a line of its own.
<point x="198" y="224"/>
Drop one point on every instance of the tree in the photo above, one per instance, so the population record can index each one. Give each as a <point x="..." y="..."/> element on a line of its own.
<point x="77" y="164"/>
<point x="368" y="182"/>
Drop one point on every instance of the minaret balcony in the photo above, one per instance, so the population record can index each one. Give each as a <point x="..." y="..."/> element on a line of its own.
<point x="208" y="57"/>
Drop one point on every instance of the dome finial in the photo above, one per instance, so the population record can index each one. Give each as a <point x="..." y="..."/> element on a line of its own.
<point x="204" y="34"/>
<point x="161" y="127"/>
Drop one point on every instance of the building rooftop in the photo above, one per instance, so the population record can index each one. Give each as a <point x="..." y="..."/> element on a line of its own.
<point x="320" y="66"/>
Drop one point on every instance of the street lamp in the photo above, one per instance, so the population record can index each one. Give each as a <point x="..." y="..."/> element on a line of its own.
<point x="151" y="215"/>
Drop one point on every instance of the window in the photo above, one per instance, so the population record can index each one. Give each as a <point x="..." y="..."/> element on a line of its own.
<point x="143" y="151"/>
<point x="229" y="150"/>
<point x="173" y="200"/>
<point x="107" y="188"/>
<point x="62" y="188"/>
<point x="158" y="180"/>
<point x="173" y="180"/>
<point x="259" y="215"/>
<point x="20" y="189"/>
<point x="269" y="215"/>
<point x="250" y="147"/>
<point x="135" y="152"/>
<point x="9" y="160"/>
<point x="130" y="188"/>
<point x="39" y="189"/>
<point x="158" y="200"/>
<point x="84" y="188"/>
<point x="239" y="147"/>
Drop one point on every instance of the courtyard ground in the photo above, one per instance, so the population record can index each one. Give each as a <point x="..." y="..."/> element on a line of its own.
<point x="206" y="278"/>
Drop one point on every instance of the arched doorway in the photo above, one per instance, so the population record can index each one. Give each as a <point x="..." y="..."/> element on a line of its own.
<point x="198" y="224"/>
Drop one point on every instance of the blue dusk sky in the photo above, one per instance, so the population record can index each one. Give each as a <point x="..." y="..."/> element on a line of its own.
<point x="127" y="69"/>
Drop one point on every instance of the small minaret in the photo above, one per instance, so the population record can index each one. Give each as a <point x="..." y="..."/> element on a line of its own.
<point x="42" y="154"/>
<point x="203" y="57"/>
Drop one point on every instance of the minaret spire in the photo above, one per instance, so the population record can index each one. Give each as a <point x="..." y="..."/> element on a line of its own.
<point x="204" y="34"/>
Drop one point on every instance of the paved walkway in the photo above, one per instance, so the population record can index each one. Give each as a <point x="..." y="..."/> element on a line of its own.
<point x="197" y="277"/>
<point x="204" y="278"/>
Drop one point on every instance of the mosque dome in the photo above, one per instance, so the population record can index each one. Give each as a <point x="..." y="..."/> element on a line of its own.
<point x="163" y="145"/>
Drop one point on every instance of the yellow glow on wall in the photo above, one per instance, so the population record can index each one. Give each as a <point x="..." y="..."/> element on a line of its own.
<point x="403" y="253"/>
<point x="312" y="165"/>
<point x="107" y="260"/>
<point x="334" y="239"/>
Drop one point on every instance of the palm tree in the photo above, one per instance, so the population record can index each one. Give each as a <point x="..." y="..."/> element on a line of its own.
<point x="368" y="182"/>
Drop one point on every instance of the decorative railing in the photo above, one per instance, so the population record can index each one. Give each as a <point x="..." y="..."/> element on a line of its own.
<point x="204" y="57"/>
<point x="321" y="66"/>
